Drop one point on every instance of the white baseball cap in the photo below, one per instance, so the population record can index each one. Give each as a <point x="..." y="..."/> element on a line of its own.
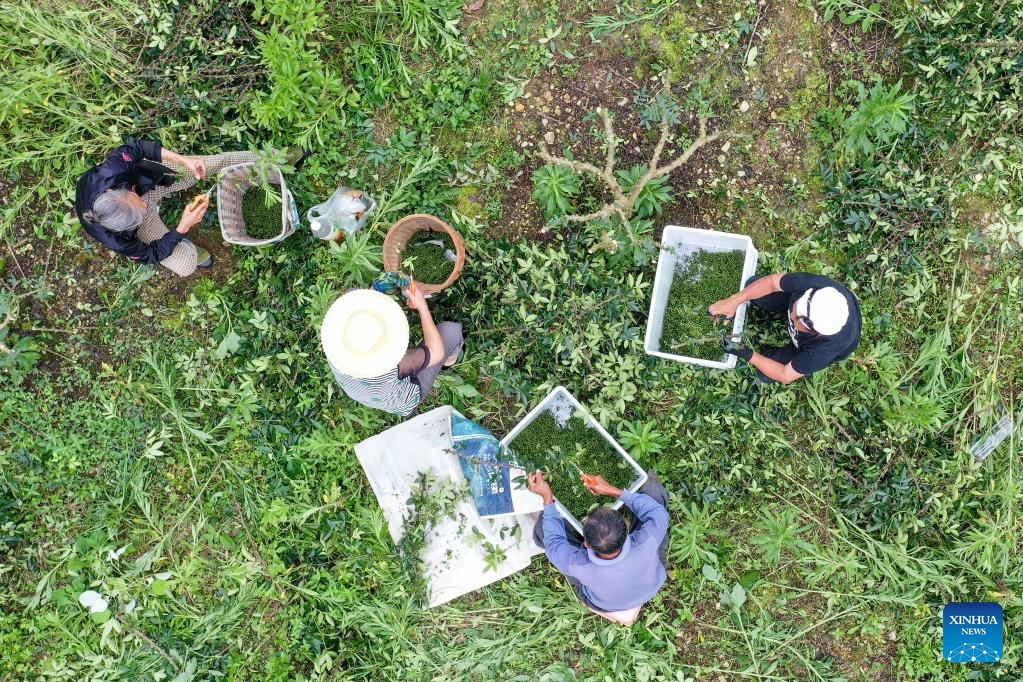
<point x="364" y="334"/>
<point x="826" y="308"/>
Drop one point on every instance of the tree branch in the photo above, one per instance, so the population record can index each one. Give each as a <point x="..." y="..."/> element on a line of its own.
<point x="12" y="310"/>
<point x="605" y="212"/>
<point x="703" y="139"/>
<point x="578" y="166"/>
<point x="612" y="142"/>
<point x="654" y="172"/>
<point x="623" y="205"/>
<point x="665" y="131"/>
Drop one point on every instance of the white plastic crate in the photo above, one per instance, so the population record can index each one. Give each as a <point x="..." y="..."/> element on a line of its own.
<point x="234" y="182"/>
<point x="563" y="404"/>
<point x="677" y="242"/>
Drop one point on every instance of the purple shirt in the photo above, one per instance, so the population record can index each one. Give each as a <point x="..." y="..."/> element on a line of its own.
<point x="631" y="578"/>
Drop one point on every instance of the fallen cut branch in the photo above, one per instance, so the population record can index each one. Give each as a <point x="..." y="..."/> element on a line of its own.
<point x="12" y="311"/>
<point x="624" y="205"/>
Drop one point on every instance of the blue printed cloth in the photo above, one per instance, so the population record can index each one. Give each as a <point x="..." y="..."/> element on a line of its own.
<point x="490" y="485"/>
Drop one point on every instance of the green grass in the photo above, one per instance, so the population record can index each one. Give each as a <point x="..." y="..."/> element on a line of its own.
<point x="180" y="447"/>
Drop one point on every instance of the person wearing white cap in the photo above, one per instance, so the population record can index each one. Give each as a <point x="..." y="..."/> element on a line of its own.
<point x="824" y="323"/>
<point x="365" y="337"/>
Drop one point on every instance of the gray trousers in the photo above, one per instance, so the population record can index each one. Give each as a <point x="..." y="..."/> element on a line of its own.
<point x="653" y="488"/>
<point x="451" y="334"/>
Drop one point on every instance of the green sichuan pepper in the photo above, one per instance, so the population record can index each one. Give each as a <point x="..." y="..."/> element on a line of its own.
<point x="700" y="280"/>
<point x="552" y="448"/>
<point x="261" y="211"/>
<point x="428" y="262"/>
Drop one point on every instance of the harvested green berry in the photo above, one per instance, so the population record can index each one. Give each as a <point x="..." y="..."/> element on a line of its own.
<point x="425" y="257"/>
<point x="701" y="278"/>
<point x="261" y="211"/>
<point x="552" y="448"/>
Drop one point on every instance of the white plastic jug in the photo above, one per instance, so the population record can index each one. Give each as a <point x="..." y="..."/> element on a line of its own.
<point x="344" y="213"/>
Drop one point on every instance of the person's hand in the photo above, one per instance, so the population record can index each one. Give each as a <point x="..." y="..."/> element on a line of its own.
<point x="736" y="347"/>
<point x="538" y="484"/>
<point x="192" y="215"/>
<point x="416" y="300"/>
<point x="598" y="486"/>
<point x="195" y="165"/>
<point x="724" y="308"/>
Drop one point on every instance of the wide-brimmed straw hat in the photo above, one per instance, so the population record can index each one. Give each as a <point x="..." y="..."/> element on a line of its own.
<point x="365" y="334"/>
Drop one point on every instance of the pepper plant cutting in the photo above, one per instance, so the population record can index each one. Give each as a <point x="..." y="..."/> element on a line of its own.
<point x="261" y="210"/>
<point x="553" y="448"/>
<point x="700" y="280"/>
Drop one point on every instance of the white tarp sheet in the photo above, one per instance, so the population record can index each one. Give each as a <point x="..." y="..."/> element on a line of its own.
<point x="454" y="563"/>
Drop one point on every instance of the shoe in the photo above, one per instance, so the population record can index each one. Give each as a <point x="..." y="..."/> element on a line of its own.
<point x="453" y="358"/>
<point x="204" y="258"/>
<point x="296" y="156"/>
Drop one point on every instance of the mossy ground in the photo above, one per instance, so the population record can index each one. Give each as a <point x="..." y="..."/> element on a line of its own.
<point x="546" y="445"/>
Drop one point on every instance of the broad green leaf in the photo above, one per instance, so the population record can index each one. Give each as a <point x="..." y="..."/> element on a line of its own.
<point x="161" y="588"/>
<point x="231" y="343"/>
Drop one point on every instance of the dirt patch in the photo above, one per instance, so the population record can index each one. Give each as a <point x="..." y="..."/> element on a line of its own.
<point x="849" y="53"/>
<point x="860" y="659"/>
<point x="765" y="178"/>
<point x="79" y="301"/>
<point x="560" y="109"/>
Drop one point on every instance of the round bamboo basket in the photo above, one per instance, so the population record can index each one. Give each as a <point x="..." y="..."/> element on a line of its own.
<point x="406" y="228"/>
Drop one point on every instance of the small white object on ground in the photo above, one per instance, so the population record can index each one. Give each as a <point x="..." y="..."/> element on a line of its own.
<point x="94" y="601"/>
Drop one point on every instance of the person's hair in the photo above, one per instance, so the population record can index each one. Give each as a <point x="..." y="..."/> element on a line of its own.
<point x="112" y="210"/>
<point x="604" y="531"/>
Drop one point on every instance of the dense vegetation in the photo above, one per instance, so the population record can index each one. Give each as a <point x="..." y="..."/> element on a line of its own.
<point x="179" y="446"/>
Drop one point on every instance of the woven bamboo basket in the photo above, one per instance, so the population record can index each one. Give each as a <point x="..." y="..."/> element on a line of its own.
<point x="235" y="182"/>
<point x="398" y="238"/>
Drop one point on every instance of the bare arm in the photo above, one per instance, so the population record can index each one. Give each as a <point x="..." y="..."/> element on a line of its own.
<point x="431" y="336"/>
<point x="762" y="287"/>
<point x="773" y="369"/>
<point x="195" y="165"/>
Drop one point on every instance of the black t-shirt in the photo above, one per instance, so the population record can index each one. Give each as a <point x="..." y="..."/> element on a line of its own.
<point x="817" y="351"/>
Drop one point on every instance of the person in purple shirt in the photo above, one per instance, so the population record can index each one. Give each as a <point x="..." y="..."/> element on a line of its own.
<point x="609" y="568"/>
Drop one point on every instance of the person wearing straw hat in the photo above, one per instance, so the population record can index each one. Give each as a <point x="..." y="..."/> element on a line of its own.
<point x="823" y="320"/>
<point x="365" y="337"/>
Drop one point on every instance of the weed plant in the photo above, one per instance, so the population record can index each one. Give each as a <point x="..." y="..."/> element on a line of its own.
<point x="261" y="210"/>
<point x="553" y="448"/>
<point x="427" y="259"/>
<point x="700" y="280"/>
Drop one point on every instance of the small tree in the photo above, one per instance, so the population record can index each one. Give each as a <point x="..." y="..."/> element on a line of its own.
<point x="623" y="204"/>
